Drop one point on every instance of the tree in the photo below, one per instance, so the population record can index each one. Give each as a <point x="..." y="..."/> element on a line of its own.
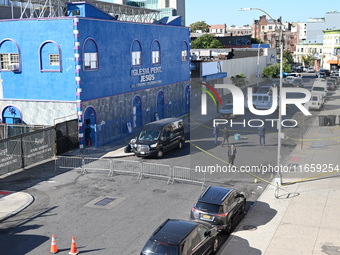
<point x="206" y="41"/>
<point x="288" y="56"/>
<point x="199" y="25"/>
<point x="308" y="60"/>
<point x="239" y="80"/>
<point x="255" y="40"/>
<point x="273" y="71"/>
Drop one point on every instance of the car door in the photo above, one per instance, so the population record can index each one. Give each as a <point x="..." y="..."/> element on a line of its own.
<point x="205" y="241"/>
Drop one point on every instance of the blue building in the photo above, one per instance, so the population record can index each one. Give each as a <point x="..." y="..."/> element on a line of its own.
<point x="113" y="76"/>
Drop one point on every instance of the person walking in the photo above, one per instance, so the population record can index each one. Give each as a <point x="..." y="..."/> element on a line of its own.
<point x="231" y="154"/>
<point x="225" y="132"/>
<point x="216" y="132"/>
<point x="262" y="135"/>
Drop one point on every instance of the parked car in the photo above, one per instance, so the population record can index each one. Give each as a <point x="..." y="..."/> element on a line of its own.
<point x="316" y="102"/>
<point x="264" y="89"/>
<point x="158" y="137"/>
<point x="181" y="237"/>
<point x="330" y="86"/>
<point x="297" y="82"/>
<point x="324" y="71"/>
<point x="219" y="207"/>
<point x="227" y="111"/>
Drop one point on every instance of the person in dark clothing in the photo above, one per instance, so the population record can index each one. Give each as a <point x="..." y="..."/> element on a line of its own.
<point x="262" y="135"/>
<point x="225" y="132"/>
<point x="231" y="154"/>
<point x="231" y="54"/>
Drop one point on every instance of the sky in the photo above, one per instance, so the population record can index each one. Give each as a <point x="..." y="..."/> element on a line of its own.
<point x="215" y="12"/>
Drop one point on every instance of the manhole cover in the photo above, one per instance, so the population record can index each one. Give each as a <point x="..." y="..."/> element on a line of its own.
<point x="250" y="227"/>
<point x="104" y="201"/>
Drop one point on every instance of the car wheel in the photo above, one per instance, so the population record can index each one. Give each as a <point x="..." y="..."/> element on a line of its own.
<point x="243" y="209"/>
<point x="227" y="229"/>
<point x="216" y="245"/>
<point x="160" y="153"/>
<point x="180" y="144"/>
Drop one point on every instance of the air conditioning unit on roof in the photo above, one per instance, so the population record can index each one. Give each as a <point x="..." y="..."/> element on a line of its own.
<point x="13" y="67"/>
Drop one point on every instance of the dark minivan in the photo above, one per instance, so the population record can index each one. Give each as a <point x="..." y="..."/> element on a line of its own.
<point x="158" y="137"/>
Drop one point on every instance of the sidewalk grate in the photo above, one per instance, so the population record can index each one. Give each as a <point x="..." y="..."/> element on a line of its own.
<point x="105" y="202"/>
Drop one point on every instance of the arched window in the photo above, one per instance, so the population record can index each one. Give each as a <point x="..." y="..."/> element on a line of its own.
<point x="137" y="113"/>
<point x="10" y="59"/>
<point x="160" y="104"/>
<point x="11" y="115"/>
<point x="185" y="50"/>
<point x="50" y="57"/>
<point x="90" y="55"/>
<point x="136" y="53"/>
<point x="156" y="53"/>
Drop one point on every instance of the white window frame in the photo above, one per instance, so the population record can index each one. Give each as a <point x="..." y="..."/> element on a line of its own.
<point x="53" y="59"/>
<point x="136" y="58"/>
<point x="184" y="55"/>
<point x="11" y="58"/>
<point x="156" y="57"/>
<point x="90" y="60"/>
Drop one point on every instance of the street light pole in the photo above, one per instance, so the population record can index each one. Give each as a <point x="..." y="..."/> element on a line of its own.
<point x="279" y="127"/>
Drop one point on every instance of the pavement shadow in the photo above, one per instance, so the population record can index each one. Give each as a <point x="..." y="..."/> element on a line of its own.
<point x="21" y="244"/>
<point x="235" y="240"/>
<point x="257" y="208"/>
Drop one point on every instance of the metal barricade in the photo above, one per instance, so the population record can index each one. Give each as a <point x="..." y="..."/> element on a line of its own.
<point x="156" y="170"/>
<point x="69" y="162"/>
<point x="96" y="165"/>
<point x="125" y="167"/>
<point x="187" y="175"/>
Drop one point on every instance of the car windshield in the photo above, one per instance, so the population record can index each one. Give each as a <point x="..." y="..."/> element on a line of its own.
<point x="148" y="135"/>
<point x="211" y="208"/>
<point x="228" y="106"/>
<point x="318" y="89"/>
<point x="156" y="248"/>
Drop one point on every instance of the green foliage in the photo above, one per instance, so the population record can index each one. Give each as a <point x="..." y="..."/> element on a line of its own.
<point x="255" y="40"/>
<point x="288" y="57"/>
<point x="308" y="60"/>
<point x="239" y="80"/>
<point x="273" y="71"/>
<point x="206" y="41"/>
<point x="199" y="25"/>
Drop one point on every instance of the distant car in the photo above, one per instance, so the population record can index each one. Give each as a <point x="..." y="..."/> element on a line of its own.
<point x="330" y="85"/>
<point x="316" y="102"/>
<point x="297" y="82"/>
<point x="264" y="89"/>
<point x="324" y="71"/>
<point x="219" y="207"/>
<point x="322" y="75"/>
<point x="227" y="111"/>
<point x="181" y="237"/>
<point x="310" y="70"/>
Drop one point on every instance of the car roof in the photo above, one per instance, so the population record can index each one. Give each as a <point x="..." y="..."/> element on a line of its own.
<point x="214" y="195"/>
<point x="173" y="231"/>
<point x="159" y="124"/>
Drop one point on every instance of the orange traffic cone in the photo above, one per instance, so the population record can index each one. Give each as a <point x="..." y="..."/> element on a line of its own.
<point x="73" y="250"/>
<point x="54" y="248"/>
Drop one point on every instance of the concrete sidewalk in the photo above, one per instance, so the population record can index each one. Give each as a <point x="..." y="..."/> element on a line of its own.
<point x="13" y="202"/>
<point x="304" y="218"/>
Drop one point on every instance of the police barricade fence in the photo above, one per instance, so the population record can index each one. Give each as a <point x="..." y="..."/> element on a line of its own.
<point x="125" y="166"/>
<point x="156" y="170"/>
<point x="114" y="166"/>
<point x="68" y="162"/>
<point x="186" y="174"/>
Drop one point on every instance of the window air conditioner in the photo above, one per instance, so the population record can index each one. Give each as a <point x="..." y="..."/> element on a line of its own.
<point x="13" y="67"/>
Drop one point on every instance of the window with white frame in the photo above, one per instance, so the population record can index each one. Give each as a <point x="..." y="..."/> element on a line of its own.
<point x="156" y="53"/>
<point x="54" y="59"/>
<point x="136" y="58"/>
<point x="184" y="51"/>
<point x="91" y="60"/>
<point x="8" y="60"/>
<point x="155" y="57"/>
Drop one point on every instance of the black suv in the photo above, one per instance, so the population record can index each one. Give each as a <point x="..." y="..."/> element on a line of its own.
<point x="219" y="206"/>
<point x="180" y="237"/>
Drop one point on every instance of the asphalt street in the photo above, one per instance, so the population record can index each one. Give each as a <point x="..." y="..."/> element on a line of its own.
<point x="66" y="201"/>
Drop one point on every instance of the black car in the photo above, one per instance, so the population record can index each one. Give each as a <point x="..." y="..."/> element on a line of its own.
<point x="158" y="137"/>
<point x="219" y="206"/>
<point x="181" y="237"/>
